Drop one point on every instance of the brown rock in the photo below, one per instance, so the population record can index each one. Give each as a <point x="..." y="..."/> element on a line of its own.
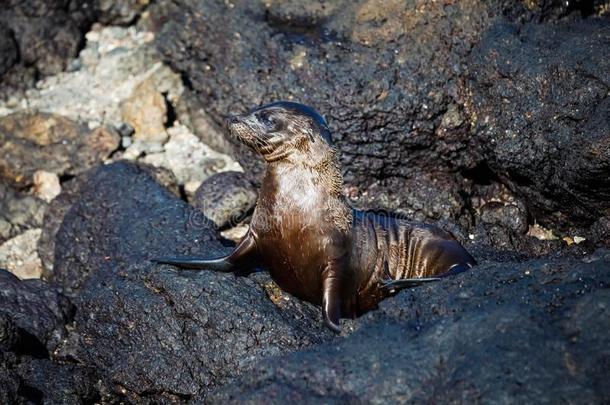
<point x="32" y="141"/>
<point x="146" y="112"/>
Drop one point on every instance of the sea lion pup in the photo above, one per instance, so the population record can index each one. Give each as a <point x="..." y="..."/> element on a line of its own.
<point x="315" y="245"/>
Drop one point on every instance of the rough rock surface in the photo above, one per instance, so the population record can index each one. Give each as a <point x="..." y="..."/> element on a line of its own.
<point x="528" y="332"/>
<point x="395" y="82"/>
<point x="114" y="62"/>
<point x="187" y="157"/>
<point x="373" y="80"/>
<point x="46" y="185"/>
<point x="152" y="331"/>
<point x="39" y="37"/>
<point x="31" y="141"/>
<point x="225" y="198"/>
<point x="57" y="209"/>
<point x="120" y="12"/>
<point x="111" y="207"/>
<point x="550" y="140"/>
<point x="53" y="217"/>
<point x="145" y="111"/>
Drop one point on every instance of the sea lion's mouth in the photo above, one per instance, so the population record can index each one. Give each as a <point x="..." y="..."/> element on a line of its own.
<point x="240" y="129"/>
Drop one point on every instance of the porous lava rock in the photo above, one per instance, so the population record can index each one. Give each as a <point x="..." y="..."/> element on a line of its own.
<point x="550" y="140"/>
<point x="528" y="332"/>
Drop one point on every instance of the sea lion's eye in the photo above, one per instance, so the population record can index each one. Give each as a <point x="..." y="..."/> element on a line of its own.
<point x="266" y="119"/>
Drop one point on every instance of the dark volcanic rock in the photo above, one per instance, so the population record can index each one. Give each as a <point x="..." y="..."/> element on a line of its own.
<point x="8" y="49"/>
<point x="225" y="198"/>
<point x="151" y="331"/>
<point x="31" y="141"/>
<point x="422" y="197"/>
<point x="123" y="214"/>
<point x="70" y="192"/>
<point x="391" y="78"/>
<point x="18" y="212"/>
<point x="159" y="333"/>
<point x="33" y="318"/>
<point x="48" y="382"/>
<point x="384" y="89"/>
<point x="53" y="218"/>
<point x="529" y="332"/>
<point x="540" y="97"/>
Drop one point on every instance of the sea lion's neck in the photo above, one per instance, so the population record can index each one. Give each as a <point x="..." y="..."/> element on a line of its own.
<point x="320" y="171"/>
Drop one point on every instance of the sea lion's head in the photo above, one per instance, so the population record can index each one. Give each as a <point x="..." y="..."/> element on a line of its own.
<point x="282" y="129"/>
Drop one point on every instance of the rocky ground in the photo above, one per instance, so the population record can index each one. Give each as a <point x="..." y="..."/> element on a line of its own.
<point x="491" y="119"/>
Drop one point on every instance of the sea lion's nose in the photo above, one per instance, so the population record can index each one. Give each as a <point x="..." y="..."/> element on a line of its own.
<point x="231" y="120"/>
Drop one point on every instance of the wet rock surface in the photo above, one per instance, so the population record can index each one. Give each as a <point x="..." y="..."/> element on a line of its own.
<point x="528" y="332"/>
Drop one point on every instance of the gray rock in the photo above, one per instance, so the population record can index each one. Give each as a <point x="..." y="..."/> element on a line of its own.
<point x="18" y="212"/>
<point x="20" y="256"/>
<point x="190" y="160"/>
<point x="225" y="198"/>
<point x="123" y="12"/>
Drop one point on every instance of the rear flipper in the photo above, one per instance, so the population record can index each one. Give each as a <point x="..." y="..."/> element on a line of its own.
<point x="392" y="286"/>
<point x="457" y="269"/>
<point x="241" y="259"/>
<point x="194" y="263"/>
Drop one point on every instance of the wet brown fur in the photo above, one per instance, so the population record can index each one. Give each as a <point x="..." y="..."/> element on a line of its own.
<point x="316" y="246"/>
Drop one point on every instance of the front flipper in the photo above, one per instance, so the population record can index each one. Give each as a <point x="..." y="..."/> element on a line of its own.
<point x="244" y="254"/>
<point x="331" y="297"/>
<point x="393" y="286"/>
